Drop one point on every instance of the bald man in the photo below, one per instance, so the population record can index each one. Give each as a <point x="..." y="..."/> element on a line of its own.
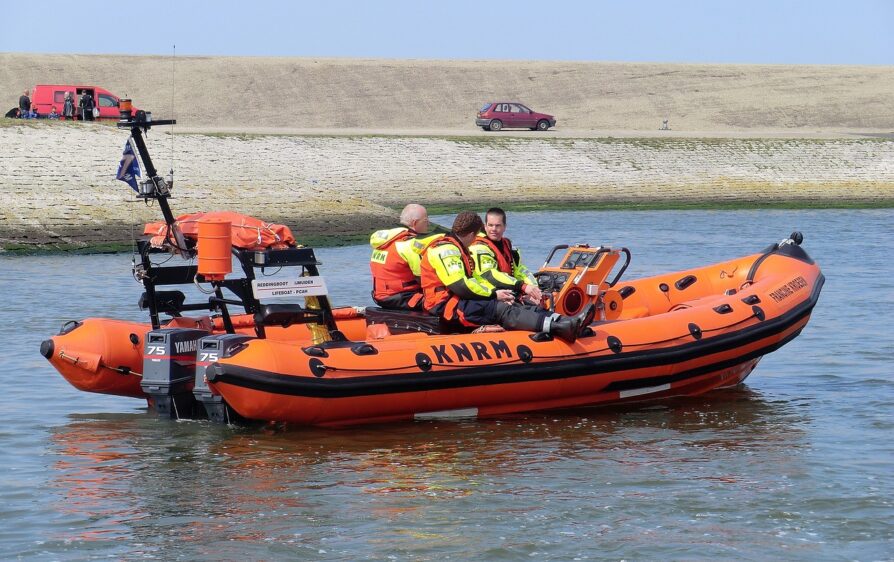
<point x="395" y="260"/>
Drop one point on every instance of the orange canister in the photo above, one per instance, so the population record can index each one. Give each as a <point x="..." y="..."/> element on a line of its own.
<point x="214" y="243"/>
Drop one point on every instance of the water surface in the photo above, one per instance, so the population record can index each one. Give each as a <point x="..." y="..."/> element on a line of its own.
<point x="797" y="464"/>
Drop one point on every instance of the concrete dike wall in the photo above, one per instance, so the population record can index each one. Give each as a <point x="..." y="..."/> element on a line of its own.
<point x="57" y="186"/>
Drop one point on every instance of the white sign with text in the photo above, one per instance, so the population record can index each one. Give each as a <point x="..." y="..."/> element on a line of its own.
<point x="273" y="288"/>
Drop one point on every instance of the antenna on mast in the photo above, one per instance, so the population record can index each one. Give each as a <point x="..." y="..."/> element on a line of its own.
<point x="173" y="117"/>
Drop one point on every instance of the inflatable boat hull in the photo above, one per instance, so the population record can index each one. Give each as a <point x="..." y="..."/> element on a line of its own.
<point x="105" y="356"/>
<point x="684" y="333"/>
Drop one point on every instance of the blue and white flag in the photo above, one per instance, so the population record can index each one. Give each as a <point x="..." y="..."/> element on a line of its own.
<point x="129" y="167"/>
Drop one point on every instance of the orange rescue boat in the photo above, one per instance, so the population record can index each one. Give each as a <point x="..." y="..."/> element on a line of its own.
<point x="678" y="334"/>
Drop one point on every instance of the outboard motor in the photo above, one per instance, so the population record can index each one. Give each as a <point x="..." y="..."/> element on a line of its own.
<point x="169" y="370"/>
<point x="212" y="348"/>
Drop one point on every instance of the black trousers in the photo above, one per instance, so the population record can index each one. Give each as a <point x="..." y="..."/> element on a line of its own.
<point x="510" y="316"/>
<point x="408" y="300"/>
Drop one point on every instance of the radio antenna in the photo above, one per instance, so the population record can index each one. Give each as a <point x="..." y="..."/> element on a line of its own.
<point x="173" y="69"/>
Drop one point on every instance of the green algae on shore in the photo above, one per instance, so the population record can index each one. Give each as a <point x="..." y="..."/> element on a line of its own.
<point x="321" y="240"/>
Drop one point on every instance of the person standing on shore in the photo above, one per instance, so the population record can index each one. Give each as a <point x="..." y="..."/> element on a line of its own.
<point x="86" y="106"/>
<point x="68" y="107"/>
<point x="24" y="104"/>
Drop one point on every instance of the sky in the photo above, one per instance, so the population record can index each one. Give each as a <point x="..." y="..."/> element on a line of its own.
<point x="717" y="31"/>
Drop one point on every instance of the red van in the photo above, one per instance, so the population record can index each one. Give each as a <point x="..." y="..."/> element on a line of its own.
<point x="45" y="96"/>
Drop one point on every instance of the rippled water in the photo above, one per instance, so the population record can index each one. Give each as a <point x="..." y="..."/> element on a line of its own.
<point x="798" y="464"/>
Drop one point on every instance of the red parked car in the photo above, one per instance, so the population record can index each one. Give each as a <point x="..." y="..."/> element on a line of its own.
<point x="499" y="115"/>
<point x="45" y="96"/>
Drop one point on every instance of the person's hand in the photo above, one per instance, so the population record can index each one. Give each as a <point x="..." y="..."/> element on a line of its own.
<point x="505" y="295"/>
<point x="533" y="293"/>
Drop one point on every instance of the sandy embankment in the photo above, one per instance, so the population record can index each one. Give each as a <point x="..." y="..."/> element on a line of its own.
<point x="375" y="134"/>
<point x="236" y="93"/>
<point x="58" y="188"/>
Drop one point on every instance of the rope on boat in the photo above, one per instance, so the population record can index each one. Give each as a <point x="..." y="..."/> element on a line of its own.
<point x="753" y="315"/>
<point x="564" y="355"/>
<point x="74" y="360"/>
<point x="413" y="366"/>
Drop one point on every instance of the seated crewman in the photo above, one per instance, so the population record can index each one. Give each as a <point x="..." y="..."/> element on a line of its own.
<point x="491" y="251"/>
<point x="453" y="292"/>
<point x="395" y="259"/>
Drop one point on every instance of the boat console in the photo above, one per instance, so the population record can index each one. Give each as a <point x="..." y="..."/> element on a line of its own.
<point x="580" y="277"/>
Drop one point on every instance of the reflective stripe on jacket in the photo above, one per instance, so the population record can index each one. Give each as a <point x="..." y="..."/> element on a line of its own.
<point x="491" y="257"/>
<point x="390" y="268"/>
<point x="395" y="261"/>
<point x="448" y="276"/>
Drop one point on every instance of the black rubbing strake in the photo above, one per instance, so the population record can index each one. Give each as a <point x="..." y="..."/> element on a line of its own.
<point x="290" y="385"/>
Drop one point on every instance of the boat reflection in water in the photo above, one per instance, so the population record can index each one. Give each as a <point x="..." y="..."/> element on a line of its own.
<point x="194" y="488"/>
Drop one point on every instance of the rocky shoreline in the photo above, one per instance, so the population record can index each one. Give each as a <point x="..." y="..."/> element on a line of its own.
<point x="58" y="192"/>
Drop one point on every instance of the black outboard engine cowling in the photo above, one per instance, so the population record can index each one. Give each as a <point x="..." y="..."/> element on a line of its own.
<point x="212" y="348"/>
<point x="169" y="370"/>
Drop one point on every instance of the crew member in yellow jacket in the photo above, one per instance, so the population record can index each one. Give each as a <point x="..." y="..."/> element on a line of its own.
<point x="491" y="251"/>
<point x="463" y="300"/>
<point x="395" y="260"/>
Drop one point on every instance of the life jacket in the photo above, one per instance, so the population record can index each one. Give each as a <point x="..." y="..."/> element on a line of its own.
<point x="507" y="256"/>
<point x="390" y="272"/>
<point x="438" y="298"/>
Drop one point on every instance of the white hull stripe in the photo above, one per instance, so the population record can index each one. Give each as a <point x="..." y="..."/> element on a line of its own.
<point x="644" y="390"/>
<point x="466" y="413"/>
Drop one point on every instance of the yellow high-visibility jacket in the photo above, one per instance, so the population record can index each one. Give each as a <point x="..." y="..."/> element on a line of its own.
<point x="395" y="260"/>
<point x="489" y="257"/>
<point x="447" y="272"/>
